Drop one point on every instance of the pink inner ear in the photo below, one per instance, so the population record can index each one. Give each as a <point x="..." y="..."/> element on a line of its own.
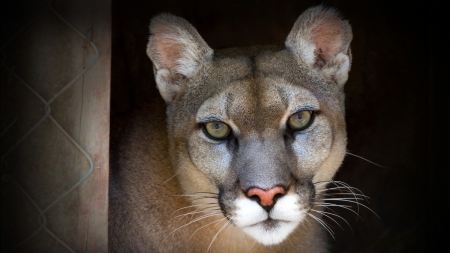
<point x="327" y="35"/>
<point x="168" y="49"/>
<point x="169" y="52"/>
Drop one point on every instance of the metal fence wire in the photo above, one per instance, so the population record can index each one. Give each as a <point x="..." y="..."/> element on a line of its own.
<point x="8" y="176"/>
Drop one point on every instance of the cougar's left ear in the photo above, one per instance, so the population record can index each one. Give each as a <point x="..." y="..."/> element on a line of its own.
<point x="177" y="51"/>
<point x="322" y="40"/>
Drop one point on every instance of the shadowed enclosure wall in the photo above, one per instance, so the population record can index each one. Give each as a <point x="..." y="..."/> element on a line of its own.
<point x="395" y="105"/>
<point x="55" y="93"/>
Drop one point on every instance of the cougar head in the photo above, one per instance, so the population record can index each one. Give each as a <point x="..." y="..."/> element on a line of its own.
<point x="260" y="128"/>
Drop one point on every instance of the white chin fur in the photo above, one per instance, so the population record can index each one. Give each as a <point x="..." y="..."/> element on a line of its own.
<point x="273" y="236"/>
<point x="252" y="219"/>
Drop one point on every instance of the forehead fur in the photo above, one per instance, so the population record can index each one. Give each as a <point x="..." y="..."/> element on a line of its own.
<point x="248" y="67"/>
<point x="257" y="104"/>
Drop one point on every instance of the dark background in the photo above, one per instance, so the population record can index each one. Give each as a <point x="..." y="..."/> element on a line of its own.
<point x="396" y="113"/>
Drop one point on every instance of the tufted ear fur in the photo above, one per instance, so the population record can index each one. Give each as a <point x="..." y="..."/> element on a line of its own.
<point x="322" y="40"/>
<point x="176" y="50"/>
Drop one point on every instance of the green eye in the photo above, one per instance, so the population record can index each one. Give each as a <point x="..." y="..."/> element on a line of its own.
<point x="300" y="120"/>
<point x="217" y="130"/>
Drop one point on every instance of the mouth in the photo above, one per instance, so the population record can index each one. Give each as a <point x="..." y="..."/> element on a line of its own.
<point x="269" y="224"/>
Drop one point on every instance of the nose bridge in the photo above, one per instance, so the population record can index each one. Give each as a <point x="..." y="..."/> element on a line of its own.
<point x="262" y="163"/>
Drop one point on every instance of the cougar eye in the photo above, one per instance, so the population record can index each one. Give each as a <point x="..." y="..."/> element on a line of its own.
<point x="300" y="120"/>
<point x="217" y="130"/>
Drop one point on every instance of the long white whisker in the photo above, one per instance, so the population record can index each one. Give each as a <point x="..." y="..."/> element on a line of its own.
<point x="367" y="160"/>
<point x="343" y="198"/>
<point x="340" y="187"/>
<point x="195" y="212"/>
<point x="203" y="204"/>
<point x="330" y="209"/>
<point x="355" y="195"/>
<point x="348" y="186"/>
<point x="332" y="191"/>
<point x="192" y="214"/>
<point x="218" y="232"/>
<point x="341" y="206"/>
<point x="204" y="216"/>
<point x="211" y="195"/>
<point x="344" y="193"/>
<point x="193" y="221"/>
<point x="323" y="224"/>
<point x="328" y="213"/>
<point x="170" y="178"/>
<point x="251" y="248"/>
<point x="309" y="222"/>
<point x="205" y="226"/>
<point x="356" y="202"/>
<point x="323" y="213"/>
<point x="321" y="183"/>
<point x="329" y="204"/>
<point x="350" y="189"/>
<point x="180" y="216"/>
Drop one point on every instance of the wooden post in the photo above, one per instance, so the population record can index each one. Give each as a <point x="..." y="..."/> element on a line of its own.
<point x="41" y="60"/>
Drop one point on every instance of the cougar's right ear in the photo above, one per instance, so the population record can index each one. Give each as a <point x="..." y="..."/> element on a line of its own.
<point x="177" y="51"/>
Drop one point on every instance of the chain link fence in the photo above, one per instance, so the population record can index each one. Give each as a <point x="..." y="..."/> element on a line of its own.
<point x="43" y="163"/>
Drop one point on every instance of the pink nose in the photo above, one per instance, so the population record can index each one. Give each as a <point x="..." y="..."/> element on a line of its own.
<point x="266" y="197"/>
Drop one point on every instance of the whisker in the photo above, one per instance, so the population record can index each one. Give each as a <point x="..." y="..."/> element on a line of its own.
<point x="170" y="178"/>
<point x="214" y="238"/>
<point x="251" y="248"/>
<point x="204" y="216"/>
<point x="367" y="160"/>
<point x="193" y="221"/>
<point x="203" y="204"/>
<point x="323" y="224"/>
<point x="344" y="193"/>
<point x="350" y="189"/>
<point x="328" y="213"/>
<point x="340" y="189"/>
<point x="196" y="211"/>
<point x="321" y="183"/>
<point x="328" y="204"/>
<point x="323" y="213"/>
<point x="198" y="194"/>
<point x="356" y="196"/>
<point x="212" y="193"/>
<point x="187" y="214"/>
<point x="341" y="206"/>
<point x="205" y="226"/>
<point x="330" y="209"/>
<point x="343" y="198"/>
<point x="195" y="195"/>
<point x="347" y="185"/>
<point x="359" y="204"/>
<point x="309" y="222"/>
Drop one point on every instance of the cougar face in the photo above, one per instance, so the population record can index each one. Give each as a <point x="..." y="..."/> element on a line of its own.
<point x="260" y="128"/>
<point x="262" y="166"/>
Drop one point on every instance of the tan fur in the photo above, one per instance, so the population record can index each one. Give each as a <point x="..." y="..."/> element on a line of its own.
<point x="161" y="172"/>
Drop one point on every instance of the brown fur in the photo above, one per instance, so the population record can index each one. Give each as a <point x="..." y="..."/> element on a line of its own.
<point x="254" y="91"/>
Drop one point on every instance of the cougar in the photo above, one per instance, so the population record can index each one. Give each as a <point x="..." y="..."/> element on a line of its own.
<point x="250" y="138"/>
